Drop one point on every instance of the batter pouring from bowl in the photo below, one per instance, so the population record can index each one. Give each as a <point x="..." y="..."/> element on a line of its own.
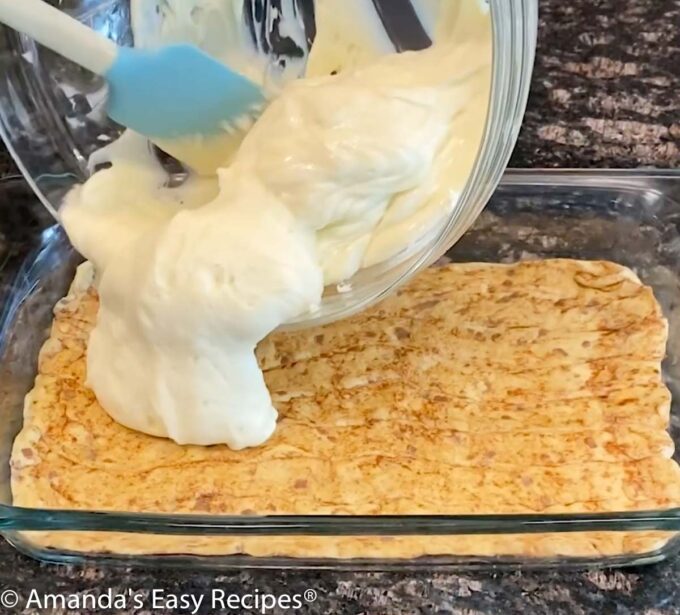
<point x="346" y="168"/>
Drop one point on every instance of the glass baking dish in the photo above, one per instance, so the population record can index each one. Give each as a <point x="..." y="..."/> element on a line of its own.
<point x="629" y="217"/>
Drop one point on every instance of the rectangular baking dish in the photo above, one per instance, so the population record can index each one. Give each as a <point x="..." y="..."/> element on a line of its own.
<point x="629" y="217"/>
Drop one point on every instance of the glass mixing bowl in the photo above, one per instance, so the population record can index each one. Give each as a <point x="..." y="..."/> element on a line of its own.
<point x="52" y="118"/>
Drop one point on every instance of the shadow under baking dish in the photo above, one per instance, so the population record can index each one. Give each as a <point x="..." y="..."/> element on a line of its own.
<point x="632" y="218"/>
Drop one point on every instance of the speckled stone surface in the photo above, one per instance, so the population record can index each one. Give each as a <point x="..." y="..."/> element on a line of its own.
<point x="605" y="88"/>
<point x="649" y="591"/>
<point x="606" y="93"/>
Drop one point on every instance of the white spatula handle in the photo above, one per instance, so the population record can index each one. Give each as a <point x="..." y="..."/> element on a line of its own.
<point x="61" y="33"/>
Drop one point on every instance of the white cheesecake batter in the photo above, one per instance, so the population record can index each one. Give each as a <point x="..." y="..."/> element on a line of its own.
<point x="339" y="173"/>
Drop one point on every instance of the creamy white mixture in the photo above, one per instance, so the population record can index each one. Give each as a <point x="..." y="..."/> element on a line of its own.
<point x="340" y="172"/>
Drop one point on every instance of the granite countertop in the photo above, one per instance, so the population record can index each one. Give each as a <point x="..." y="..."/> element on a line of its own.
<point x="606" y="93"/>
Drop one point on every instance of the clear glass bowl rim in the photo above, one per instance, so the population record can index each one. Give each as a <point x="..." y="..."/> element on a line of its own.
<point x="514" y="25"/>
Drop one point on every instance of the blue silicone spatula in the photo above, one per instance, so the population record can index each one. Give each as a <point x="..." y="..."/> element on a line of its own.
<point x="168" y="93"/>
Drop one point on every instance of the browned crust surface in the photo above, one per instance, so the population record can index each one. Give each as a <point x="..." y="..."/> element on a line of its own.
<point x="531" y="388"/>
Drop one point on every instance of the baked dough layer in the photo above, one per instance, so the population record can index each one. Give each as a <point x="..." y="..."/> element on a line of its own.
<point x="478" y="388"/>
